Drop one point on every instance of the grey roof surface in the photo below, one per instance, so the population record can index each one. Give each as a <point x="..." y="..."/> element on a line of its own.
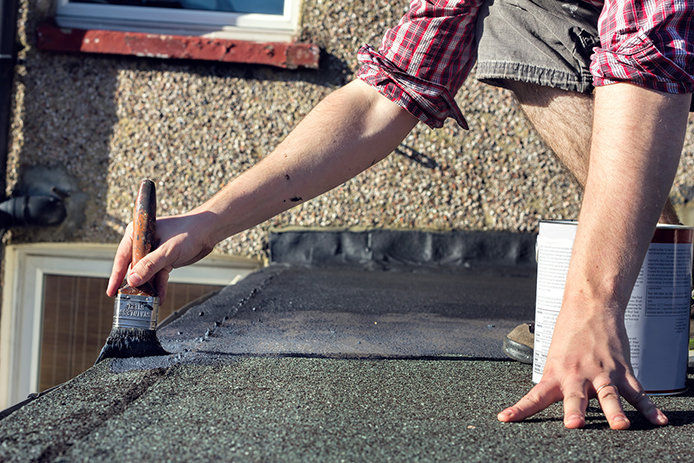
<point x="347" y="311"/>
<point x="227" y="395"/>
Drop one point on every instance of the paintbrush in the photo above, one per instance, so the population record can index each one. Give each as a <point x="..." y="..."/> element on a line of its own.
<point x="135" y="311"/>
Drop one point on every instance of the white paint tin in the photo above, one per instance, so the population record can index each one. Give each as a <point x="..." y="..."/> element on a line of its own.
<point x="656" y="317"/>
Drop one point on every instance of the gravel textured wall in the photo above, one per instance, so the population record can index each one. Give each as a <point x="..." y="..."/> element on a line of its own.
<point x="194" y="126"/>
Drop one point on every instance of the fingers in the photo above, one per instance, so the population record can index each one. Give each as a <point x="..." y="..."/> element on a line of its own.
<point x="160" y="282"/>
<point x="575" y="399"/>
<point x="575" y="404"/>
<point x="608" y="396"/>
<point x="635" y="395"/>
<point x="141" y="272"/>
<point x="149" y="266"/>
<point x="540" y="397"/>
<point x="120" y="262"/>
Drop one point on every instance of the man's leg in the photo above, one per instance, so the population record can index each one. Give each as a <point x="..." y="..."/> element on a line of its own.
<point x="564" y="121"/>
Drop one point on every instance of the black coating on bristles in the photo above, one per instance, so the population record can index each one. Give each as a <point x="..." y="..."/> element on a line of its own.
<point x="131" y="342"/>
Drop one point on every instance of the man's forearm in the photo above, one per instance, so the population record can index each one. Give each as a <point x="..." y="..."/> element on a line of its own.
<point x="636" y="146"/>
<point x="350" y="130"/>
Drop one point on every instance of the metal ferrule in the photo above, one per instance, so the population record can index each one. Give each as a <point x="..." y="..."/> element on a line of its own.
<point x="132" y="311"/>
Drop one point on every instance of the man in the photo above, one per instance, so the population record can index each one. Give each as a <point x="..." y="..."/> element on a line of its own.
<point x="642" y="69"/>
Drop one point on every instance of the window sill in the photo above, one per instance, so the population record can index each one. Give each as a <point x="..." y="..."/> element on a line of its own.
<point x="290" y="55"/>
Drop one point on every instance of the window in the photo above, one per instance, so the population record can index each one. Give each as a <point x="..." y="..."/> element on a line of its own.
<point x="77" y="318"/>
<point x="258" y="20"/>
<point x="55" y="314"/>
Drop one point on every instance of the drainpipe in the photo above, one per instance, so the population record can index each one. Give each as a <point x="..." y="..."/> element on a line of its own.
<point x="8" y="57"/>
<point x="35" y="210"/>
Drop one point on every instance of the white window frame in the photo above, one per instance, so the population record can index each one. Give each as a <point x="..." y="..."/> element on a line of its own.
<point x="22" y="299"/>
<point x="173" y="21"/>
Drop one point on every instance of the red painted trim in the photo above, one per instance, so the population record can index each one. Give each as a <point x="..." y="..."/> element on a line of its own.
<point x="290" y="55"/>
<point x="672" y="235"/>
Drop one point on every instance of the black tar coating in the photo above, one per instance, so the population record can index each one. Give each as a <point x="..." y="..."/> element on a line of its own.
<point x="131" y="342"/>
<point x="347" y="311"/>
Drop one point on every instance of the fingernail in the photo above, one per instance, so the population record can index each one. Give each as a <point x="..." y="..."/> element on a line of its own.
<point x="621" y="419"/>
<point x="504" y="414"/>
<point x="661" y="418"/>
<point x="573" y="418"/>
<point x="134" y="279"/>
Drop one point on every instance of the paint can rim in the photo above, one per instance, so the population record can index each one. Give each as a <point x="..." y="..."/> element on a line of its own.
<point x="659" y="225"/>
<point x="668" y="392"/>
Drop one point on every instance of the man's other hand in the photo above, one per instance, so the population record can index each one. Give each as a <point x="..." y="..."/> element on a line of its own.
<point x="588" y="358"/>
<point x="635" y="149"/>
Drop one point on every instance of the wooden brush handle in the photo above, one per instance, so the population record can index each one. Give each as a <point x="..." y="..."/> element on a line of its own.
<point x="144" y="221"/>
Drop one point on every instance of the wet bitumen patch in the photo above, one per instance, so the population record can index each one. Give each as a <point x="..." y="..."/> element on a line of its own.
<point x="344" y="311"/>
<point x="317" y="409"/>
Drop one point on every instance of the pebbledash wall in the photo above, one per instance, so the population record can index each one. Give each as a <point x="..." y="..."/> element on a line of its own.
<point x="107" y="121"/>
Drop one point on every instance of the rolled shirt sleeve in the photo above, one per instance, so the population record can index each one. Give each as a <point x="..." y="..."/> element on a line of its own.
<point x="424" y="60"/>
<point x="649" y="43"/>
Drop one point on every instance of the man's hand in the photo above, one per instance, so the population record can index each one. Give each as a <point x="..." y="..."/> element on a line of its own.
<point x="636" y="145"/>
<point x="589" y="357"/>
<point x="182" y="241"/>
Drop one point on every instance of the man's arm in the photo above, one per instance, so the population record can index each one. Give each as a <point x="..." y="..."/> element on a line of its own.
<point x="350" y="130"/>
<point x="636" y="145"/>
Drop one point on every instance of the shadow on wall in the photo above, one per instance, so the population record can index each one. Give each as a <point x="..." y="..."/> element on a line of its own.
<point x="67" y="109"/>
<point x="64" y="118"/>
<point x="333" y="71"/>
<point x="416" y="156"/>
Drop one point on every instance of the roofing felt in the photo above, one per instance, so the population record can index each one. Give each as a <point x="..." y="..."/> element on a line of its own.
<point x="228" y="394"/>
<point x="350" y="311"/>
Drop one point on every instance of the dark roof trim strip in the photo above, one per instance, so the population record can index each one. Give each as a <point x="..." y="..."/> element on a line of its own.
<point x="386" y="247"/>
<point x="289" y="55"/>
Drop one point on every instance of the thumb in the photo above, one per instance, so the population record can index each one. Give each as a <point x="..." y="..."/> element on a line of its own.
<point x="147" y="267"/>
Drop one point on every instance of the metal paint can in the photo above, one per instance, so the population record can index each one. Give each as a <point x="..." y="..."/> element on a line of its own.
<point x="656" y="317"/>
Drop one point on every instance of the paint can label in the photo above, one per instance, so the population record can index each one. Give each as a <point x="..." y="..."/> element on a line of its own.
<point x="132" y="311"/>
<point x="656" y="317"/>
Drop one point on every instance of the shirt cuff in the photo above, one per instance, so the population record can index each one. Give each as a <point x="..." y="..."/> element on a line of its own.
<point x="639" y="61"/>
<point x="429" y="102"/>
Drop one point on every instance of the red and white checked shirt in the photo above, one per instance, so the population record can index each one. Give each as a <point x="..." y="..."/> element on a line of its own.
<point x="424" y="60"/>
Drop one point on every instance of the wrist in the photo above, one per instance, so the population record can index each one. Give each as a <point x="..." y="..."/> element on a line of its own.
<point x="591" y="303"/>
<point x="205" y="224"/>
<point x="596" y="285"/>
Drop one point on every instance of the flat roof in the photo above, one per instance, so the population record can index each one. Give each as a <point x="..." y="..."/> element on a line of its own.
<point x="300" y="363"/>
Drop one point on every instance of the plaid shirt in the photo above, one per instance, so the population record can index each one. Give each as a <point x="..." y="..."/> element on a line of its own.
<point x="424" y="60"/>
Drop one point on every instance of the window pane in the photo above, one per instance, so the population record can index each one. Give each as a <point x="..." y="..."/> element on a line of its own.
<point x="237" y="6"/>
<point x="77" y="318"/>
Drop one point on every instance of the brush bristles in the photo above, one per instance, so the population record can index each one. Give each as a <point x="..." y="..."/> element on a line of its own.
<point x="131" y="342"/>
